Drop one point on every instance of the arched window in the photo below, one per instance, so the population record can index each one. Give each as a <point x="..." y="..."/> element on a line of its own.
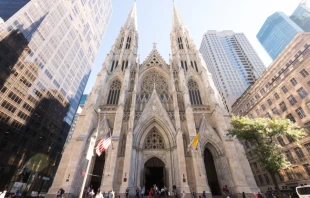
<point x="114" y="93"/>
<point x="128" y="42"/>
<point x="121" y="43"/>
<point x="194" y="93"/>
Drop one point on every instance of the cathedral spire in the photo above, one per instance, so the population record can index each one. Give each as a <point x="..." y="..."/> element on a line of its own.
<point x="176" y="19"/>
<point x="132" y="18"/>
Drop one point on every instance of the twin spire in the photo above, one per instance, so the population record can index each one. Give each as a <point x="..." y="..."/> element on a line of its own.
<point x="176" y="19"/>
<point x="132" y="18"/>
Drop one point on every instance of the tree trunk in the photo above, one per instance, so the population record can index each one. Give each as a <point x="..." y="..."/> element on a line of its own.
<point x="275" y="182"/>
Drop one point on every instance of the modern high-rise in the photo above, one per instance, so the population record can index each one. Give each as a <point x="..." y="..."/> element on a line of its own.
<point x="232" y="61"/>
<point x="76" y="117"/>
<point x="301" y="16"/>
<point x="47" y="49"/>
<point x="9" y="7"/>
<point x="277" y="31"/>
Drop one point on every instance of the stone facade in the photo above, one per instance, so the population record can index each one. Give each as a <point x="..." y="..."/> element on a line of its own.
<point x="282" y="90"/>
<point x="154" y="110"/>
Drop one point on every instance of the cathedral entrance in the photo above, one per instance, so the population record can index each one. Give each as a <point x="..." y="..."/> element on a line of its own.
<point x="154" y="173"/>
<point x="96" y="175"/>
<point x="211" y="173"/>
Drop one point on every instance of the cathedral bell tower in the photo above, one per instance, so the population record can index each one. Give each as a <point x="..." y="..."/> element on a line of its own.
<point x="219" y="159"/>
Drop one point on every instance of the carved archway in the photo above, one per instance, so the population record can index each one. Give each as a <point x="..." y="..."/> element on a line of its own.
<point x="154" y="173"/>
<point x="211" y="172"/>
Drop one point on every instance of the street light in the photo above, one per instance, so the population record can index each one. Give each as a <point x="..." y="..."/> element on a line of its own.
<point x="90" y="149"/>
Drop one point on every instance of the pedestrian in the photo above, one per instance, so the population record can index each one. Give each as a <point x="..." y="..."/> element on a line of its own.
<point x="226" y="191"/>
<point x="151" y="193"/>
<point x="243" y="195"/>
<point x="60" y="192"/>
<point x="193" y="193"/>
<point x="127" y="192"/>
<point x="99" y="194"/>
<point x="2" y="195"/>
<point x="259" y="194"/>
<point x="184" y="195"/>
<point x="143" y="191"/>
<point x="255" y="195"/>
<point x="204" y="195"/>
<point x="112" y="193"/>
<point x="85" y="192"/>
<point x="91" y="194"/>
<point x="137" y="193"/>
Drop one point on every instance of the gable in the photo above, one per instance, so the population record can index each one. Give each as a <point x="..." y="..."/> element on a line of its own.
<point x="154" y="59"/>
<point x="155" y="110"/>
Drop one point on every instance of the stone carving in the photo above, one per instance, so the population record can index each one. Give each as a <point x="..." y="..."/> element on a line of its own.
<point x="154" y="141"/>
<point x="154" y="78"/>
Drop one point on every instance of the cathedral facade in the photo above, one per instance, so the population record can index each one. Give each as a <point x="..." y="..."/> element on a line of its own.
<point x="154" y="109"/>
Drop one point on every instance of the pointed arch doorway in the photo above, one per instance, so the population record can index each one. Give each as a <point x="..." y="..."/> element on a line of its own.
<point x="211" y="173"/>
<point x="154" y="173"/>
<point x="96" y="175"/>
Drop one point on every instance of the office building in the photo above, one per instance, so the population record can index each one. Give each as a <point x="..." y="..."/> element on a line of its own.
<point x="232" y="61"/>
<point x="301" y="16"/>
<point x="277" y="31"/>
<point x="9" y="7"/>
<point x="283" y="90"/>
<point x="47" y="49"/>
<point x="76" y="117"/>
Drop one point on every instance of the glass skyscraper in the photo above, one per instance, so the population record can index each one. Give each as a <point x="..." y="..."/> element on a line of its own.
<point x="9" y="7"/>
<point x="277" y="31"/>
<point x="301" y="17"/>
<point x="47" y="49"/>
<point x="232" y="61"/>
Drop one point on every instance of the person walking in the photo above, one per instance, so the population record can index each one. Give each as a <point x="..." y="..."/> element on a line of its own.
<point x="193" y="193"/>
<point x="60" y="192"/>
<point x="204" y="195"/>
<point x="151" y="193"/>
<point x="91" y="194"/>
<point x="2" y="195"/>
<point x="127" y="192"/>
<point x="137" y="193"/>
<point x="243" y="195"/>
<point x="226" y="191"/>
<point x="184" y="195"/>
<point x="143" y="191"/>
<point x="99" y="194"/>
<point x="112" y="194"/>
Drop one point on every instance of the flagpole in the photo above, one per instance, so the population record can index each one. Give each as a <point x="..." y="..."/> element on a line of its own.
<point x="89" y="161"/>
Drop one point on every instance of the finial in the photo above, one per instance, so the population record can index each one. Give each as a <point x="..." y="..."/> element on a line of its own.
<point x="154" y="45"/>
<point x="154" y="86"/>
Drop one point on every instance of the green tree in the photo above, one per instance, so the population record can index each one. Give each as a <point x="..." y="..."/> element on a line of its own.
<point x="262" y="133"/>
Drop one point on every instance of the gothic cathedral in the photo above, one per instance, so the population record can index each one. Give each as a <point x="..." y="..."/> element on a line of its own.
<point x="154" y="109"/>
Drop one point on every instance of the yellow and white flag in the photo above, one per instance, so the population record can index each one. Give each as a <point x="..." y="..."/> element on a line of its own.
<point x="194" y="142"/>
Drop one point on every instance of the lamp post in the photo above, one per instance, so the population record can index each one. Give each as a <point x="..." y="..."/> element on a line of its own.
<point x="90" y="149"/>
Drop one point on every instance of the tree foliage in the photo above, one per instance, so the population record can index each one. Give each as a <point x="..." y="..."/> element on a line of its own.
<point x="262" y="134"/>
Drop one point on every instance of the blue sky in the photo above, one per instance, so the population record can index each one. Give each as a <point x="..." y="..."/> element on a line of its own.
<point x="199" y="16"/>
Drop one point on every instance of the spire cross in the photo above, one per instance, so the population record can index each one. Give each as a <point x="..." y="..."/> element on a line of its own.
<point x="154" y="45"/>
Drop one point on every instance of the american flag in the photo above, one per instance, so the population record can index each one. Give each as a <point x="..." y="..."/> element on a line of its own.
<point x="103" y="144"/>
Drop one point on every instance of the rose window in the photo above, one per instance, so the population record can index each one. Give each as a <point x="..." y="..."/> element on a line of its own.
<point x="156" y="79"/>
<point x="154" y="141"/>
